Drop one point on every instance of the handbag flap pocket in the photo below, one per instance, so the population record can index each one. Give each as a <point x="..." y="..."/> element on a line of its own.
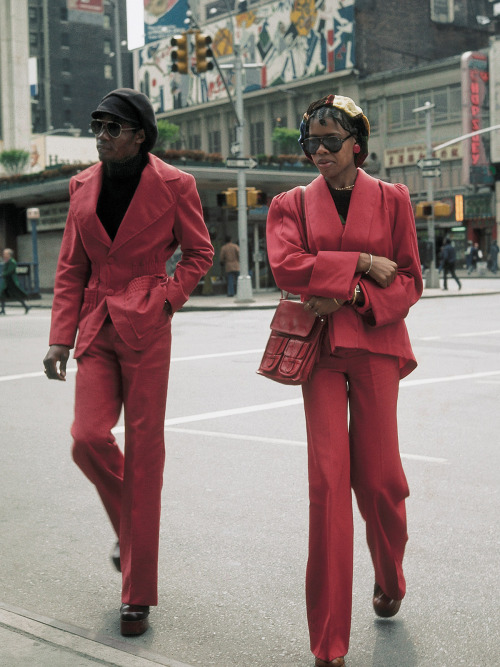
<point x="290" y="317"/>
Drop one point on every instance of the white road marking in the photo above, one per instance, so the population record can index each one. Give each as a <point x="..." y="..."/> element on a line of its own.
<point x="460" y="335"/>
<point x="280" y="441"/>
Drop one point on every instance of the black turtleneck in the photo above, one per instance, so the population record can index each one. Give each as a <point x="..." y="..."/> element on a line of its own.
<point x="119" y="183"/>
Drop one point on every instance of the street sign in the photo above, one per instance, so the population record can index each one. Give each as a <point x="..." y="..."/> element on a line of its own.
<point x="33" y="213"/>
<point x="241" y="162"/>
<point x="431" y="173"/>
<point x="429" y="163"/>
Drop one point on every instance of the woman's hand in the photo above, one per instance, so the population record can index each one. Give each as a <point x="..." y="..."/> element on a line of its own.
<point x="383" y="271"/>
<point x="322" y="306"/>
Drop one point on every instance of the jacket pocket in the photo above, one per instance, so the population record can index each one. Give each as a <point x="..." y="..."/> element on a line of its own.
<point x="144" y="302"/>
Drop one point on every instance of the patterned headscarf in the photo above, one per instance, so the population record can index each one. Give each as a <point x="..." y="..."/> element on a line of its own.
<point x="350" y="117"/>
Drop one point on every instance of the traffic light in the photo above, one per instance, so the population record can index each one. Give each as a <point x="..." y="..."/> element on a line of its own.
<point x="202" y="52"/>
<point x="180" y="54"/>
<point x="255" y="198"/>
<point x="440" y="209"/>
<point x="424" y="209"/>
<point x="228" y="198"/>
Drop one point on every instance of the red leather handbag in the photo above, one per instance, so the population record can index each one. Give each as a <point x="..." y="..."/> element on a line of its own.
<point x="294" y="344"/>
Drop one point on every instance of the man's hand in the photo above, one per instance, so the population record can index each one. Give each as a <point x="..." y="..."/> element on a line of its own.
<point x="57" y="354"/>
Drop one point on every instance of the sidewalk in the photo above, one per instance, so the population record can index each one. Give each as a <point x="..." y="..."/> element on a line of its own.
<point x="471" y="286"/>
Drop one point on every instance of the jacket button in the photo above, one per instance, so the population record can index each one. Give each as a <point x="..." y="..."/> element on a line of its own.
<point x="110" y="292"/>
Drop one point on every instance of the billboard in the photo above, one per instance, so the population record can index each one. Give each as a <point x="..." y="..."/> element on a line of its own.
<point x="291" y="40"/>
<point x="86" y="11"/>
<point x="476" y="116"/>
<point x="163" y="18"/>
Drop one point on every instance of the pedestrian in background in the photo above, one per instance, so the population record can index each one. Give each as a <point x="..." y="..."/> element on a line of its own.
<point x="449" y="257"/>
<point x="468" y="257"/>
<point x="493" y="257"/>
<point x="9" y="283"/>
<point x="127" y="216"/>
<point x="354" y="260"/>
<point x="230" y="260"/>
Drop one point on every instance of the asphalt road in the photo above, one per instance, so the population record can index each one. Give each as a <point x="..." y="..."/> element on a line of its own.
<point x="234" y="525"/>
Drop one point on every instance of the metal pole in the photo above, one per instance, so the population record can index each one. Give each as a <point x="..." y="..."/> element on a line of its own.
<point x="432" y="279"/>
<point x="244" y="289"/>
<point x="118" y="46"/>
<point x="33" y="215"/>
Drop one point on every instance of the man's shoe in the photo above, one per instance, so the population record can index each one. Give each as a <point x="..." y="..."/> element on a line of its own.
<point x="115" y="557"/>
<point x="338" y="662"/>
<point x="133" y="619"/>
<point x="384" y="606"/>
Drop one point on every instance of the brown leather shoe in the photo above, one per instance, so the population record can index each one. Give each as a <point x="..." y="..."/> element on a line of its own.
<point x="338" y="662"/>
<point x="384" y="606"/>
<point x="133" y="619"/>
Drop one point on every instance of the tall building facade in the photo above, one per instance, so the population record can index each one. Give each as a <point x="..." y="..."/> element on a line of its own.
<point x="78" y="53"/>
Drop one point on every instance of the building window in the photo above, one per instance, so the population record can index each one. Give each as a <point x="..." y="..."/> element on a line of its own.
<point x="66" y="65"/>
<point x="194" y="142"/>
<point x="65" y="39"/>
<point x="66" y="90"/>
<point x="33" y="14"/>
<point x="33" y="39"/>
<point x="64" y="13"/>
<point x="372" y="113"/>
<point x="257" y="138"/>
<point x="67" y="117"/>
<point x="214" y="142"/>
<point x="106" y="22"/>
<point x="442" y="11"/>
<point x="108" y="72"/>
<point x="447" y="108"/>
<point x="106" y="47"/>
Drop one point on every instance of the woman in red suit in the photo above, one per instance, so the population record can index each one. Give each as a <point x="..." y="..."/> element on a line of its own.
<point x="127" y="216"/>
<point x="359" y="268"/>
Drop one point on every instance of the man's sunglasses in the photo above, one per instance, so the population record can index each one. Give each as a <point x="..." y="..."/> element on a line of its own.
<point x="330" y="142"/>
<point x="113" y="128"/>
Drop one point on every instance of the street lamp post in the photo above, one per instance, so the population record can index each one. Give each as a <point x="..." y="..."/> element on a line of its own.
<point x="432" y="279"/>
<point x="118" y="43"/>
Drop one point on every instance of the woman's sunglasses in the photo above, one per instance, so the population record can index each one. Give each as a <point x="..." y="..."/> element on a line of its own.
<point x="330" y="142"/>
<point x="113" y="128"/>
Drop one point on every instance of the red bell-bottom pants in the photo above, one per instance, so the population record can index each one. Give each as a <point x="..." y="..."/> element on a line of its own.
<point x="363" y="454"/>
<point x="110" y="374"/>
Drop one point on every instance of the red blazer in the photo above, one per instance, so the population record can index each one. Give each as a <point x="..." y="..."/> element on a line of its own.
<point x="126" y="278"/>
<point x="380" y="221"/>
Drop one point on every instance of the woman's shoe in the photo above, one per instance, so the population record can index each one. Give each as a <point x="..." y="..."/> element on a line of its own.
<point x="115" y="557"/>
<point x="338" y="662"/>
<point x="133" y="619"/>
<point x="384" y="606"/>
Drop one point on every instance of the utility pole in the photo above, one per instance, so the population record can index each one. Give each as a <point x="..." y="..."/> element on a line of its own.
<point x="432" y="279"/>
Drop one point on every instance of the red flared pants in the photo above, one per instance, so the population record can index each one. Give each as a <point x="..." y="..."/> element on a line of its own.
<point x="359" y="451"/>
<point x="111" y="375"/>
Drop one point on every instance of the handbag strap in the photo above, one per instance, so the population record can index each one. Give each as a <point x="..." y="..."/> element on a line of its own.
<point x="284" y="295"/>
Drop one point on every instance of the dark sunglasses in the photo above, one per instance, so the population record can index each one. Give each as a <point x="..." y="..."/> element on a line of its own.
<point x="330" y="142"/>
<point x="113" y="128"/>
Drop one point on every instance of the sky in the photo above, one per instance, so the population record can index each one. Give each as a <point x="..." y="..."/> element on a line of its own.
<point x="135" y="23"/>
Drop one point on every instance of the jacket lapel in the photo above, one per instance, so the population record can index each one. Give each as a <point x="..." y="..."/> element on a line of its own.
<point x="84" y="203"/>
<point x="150" y="201"/>
<point x="362" y="207"/>
<point x="324" y="228"/>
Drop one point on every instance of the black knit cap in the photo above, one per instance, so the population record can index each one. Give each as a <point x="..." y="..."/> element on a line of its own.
<point x="135" y="108"/>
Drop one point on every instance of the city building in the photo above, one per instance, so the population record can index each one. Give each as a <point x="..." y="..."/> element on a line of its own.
<point x="392" y="57"/>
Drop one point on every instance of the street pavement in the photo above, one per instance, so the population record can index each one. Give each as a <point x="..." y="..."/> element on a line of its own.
<point x="238" y="599"/>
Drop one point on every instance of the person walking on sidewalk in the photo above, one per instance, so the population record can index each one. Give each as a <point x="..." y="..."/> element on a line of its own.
<point x="127" y="216"/>
<point x="9" y="283"/>
<point x="230" y="260"/>
<point x="493" y="257"/>
<point x="449" y="256"/>
<point x="357" y="265"/>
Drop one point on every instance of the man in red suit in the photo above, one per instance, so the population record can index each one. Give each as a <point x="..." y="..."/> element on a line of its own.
<point x="127" y="215"/>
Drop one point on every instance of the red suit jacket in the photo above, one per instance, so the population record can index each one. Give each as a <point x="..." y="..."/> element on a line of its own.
<point x="380" y="221"/>
<point x="126" y="278"/>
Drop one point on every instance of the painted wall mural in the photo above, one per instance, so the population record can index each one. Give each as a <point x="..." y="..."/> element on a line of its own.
<point x="291" y="39"/>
